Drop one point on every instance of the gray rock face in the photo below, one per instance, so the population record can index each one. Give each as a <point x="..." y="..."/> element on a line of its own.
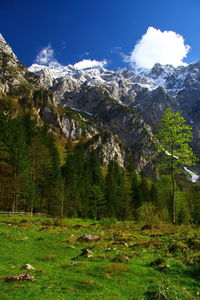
<point x="75" y="125"/>
<point x="108" y="148"/>
<point x="121" y="120"/>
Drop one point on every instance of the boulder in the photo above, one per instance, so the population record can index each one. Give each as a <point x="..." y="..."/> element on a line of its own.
<point x="28" y="267"/>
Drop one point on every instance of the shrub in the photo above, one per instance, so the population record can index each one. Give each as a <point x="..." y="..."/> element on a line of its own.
<point x="147" y="213"/>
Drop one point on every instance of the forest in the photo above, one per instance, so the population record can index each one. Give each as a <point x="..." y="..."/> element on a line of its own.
<point x="34" y="178"/>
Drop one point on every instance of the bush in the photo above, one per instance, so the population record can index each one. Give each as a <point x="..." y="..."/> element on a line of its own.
<point x="147" y="213"/>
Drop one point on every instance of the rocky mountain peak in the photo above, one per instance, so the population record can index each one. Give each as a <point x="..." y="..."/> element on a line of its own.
<point x="5" y="48"/>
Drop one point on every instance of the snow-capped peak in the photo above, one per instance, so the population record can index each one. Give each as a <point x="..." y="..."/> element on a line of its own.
<point x="122" y="81"/>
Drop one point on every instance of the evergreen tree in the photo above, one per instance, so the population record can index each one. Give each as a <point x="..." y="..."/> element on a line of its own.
<point x="145" y="186"/>
<point x="111" y="188"/>
<point x="41" y="167"/>
<point x="96" y="202"/>
<point x="136" y="193"/>
<point x="54" y="175"/>
<point x="96" y="205"/>
<point x="7" y="186"/>
<point x="124" y="209"/>
<point x="76" y="176"/>
<point x="18" y="158"/>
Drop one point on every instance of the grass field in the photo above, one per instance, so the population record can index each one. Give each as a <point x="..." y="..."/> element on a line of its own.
<point x="127" y="262"/>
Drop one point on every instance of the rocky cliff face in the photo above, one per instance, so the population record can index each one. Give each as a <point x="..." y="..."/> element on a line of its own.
<point x="93" y="102"/>
<point x="12" y="72"/>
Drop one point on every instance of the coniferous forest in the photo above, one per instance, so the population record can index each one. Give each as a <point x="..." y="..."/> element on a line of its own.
<point x="36" y="177"/>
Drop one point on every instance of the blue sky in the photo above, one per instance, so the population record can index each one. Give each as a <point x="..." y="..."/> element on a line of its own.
<point x="91" y="29"/>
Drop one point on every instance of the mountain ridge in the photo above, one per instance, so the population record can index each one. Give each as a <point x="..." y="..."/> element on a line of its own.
<point x="128" y="103"/>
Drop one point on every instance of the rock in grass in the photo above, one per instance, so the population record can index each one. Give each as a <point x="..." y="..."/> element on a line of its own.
<point x="20" y="277"/>
<point x="86" y="253"/>
<point x="28" y="267"/>
<point x="88" y="238"/>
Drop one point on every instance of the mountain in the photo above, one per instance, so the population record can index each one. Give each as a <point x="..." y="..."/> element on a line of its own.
<point x="117" y="111"/>
<point x="148" y="92"/>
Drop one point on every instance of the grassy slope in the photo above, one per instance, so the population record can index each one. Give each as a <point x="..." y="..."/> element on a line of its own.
<point x="51" y="251"/>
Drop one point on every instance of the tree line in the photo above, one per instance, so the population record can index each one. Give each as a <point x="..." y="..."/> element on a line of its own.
<point x="32" y="179"/>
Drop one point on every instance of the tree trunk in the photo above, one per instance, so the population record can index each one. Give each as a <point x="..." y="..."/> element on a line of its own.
<point x="13" y="207"/>
<point x="31" y="210"/>
<point x="173" y="185"/>
<point x="173" y="199"/>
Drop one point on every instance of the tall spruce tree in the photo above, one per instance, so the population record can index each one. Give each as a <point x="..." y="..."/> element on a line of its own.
<point x="96" y="187"/>
<point x="111" y="188"/>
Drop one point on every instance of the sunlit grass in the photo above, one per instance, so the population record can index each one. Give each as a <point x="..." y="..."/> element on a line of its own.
<point x="121" y="267"/>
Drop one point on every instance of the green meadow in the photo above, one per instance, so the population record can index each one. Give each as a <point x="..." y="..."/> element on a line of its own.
<point x="127" y="262"/>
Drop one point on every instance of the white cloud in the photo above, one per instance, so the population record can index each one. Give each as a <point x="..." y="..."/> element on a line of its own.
<point x="155" y="46"/>
<point x="89" y="63"/>
<point x="46" y="57"/>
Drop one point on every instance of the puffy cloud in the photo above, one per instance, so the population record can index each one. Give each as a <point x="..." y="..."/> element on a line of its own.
<point x="46" y="57"/>
<point x="89" y="63"/>
<point x="155" y="46"/>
